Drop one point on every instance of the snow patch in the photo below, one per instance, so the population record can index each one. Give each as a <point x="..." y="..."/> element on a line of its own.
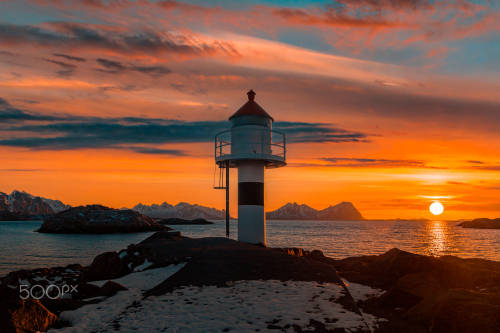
<point x="361" y="292"/>
<point x="99" y="317"/>
<point x="143" y="266"/>
<point x="244" y="306"/>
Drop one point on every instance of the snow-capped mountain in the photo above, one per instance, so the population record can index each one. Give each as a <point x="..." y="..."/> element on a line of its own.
<point x="24" y="204"/>
<point x="292" y="211"/>
<point x="182" y="210"/>
<point x="56" y="205"/>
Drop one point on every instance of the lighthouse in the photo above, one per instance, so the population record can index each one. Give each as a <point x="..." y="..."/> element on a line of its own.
<point x="250" y="145"/>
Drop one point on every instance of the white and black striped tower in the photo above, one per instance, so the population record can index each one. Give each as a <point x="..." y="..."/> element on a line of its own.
<point x="251" y="145"/>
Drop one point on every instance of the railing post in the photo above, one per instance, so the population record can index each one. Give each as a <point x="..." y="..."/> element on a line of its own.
<point x="284" y="146"/>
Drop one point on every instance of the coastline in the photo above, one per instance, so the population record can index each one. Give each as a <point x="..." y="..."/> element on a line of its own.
<point x="366" y="288"/>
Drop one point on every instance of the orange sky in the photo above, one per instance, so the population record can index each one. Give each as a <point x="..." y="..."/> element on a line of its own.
<point x="417" y="130"/>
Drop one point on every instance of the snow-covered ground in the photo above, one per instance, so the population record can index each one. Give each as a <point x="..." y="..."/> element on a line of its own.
<point x="241" y="306"/>
<point x="99" y="317"/>
<point x="361" y="292"/>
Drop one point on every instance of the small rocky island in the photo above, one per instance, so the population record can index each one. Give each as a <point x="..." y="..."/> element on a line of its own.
<point x="482" y="224"/>
<point x="97" y="219"/>
<point x="178" y="221"/>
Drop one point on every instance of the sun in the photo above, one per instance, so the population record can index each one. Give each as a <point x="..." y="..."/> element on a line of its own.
<point x="436" y="208"/>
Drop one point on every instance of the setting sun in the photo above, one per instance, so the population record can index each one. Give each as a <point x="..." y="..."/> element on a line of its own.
<point x="436" y="208"/>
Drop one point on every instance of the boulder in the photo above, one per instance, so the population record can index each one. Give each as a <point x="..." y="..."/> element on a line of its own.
<point x="17" y="315"/>
<point x="99" y="219"/>
<point x="107" y="265"/>
<point x="110" y="288"/>
<point x="445" y="294"/>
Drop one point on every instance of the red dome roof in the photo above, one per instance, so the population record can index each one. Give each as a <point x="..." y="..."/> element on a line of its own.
<point x="251" y="108"/>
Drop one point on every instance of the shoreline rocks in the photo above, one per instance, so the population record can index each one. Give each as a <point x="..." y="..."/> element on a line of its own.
<point x="418" y="293"/>
<point x="482" y="224"/>
<point x="178" y="221"/>
<point x="97" y="219"/>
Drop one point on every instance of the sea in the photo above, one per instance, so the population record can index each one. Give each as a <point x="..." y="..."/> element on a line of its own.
<point x="23" y="248"/>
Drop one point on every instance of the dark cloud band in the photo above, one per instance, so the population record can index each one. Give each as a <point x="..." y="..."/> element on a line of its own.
<point x="41" y="132"/>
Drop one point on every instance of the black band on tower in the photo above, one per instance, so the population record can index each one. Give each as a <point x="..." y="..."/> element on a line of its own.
<point x="251" y="193"/>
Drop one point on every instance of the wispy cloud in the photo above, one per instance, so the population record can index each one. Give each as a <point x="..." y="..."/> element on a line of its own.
<point x="42" y="132"/>
<point x="69" y="35"/>
<point x="352" y="162"/>
<point x="113" y="67"/>
<point x="69" y="57"/>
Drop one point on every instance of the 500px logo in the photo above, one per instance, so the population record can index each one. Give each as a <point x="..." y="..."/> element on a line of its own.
<point x="51" y="291"/>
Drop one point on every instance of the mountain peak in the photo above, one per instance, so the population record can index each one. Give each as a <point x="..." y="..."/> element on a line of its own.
<point x="293" y="211"/>
<point x="182" y="210"/>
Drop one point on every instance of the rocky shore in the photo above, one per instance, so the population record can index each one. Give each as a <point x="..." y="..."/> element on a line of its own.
<point x="97" y="219"/>
<point x="482" y="224"/>
<point x="172" y="283"/>
<point x="178" y="221"/>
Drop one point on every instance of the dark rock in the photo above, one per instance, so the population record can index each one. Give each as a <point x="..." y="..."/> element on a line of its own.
<point x="105" y="266"/>
<point x="317" y="254"/>
<point x="482" y="224"/>
<point x="178" y="221"/>
<point x="17" y="315"/>
<point x="88" y="290"/>
<point x="99" y="219"/>
<point x="217" y="261"/>
<point x="445" y="294"/>
<point x="110" y="288"/>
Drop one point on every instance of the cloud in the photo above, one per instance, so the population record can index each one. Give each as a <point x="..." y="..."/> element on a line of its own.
<point x="110" y="65"/>
<point x="8" y="113"/>
<point x="152" y="70"/>
<point x="157" y="151"/>
<point x="113" y="67"/>
<point x="68" y="69"/>
<point x="135" y="133"/>
<point x="351" y="162"/>
<point x="382" y="4"/>
<point x="69" y="57"/>
<point x="362" y="162"/>
<point x="318" y="132"/>
<point x="71" y="35"/>
<point x="334" y="19"/>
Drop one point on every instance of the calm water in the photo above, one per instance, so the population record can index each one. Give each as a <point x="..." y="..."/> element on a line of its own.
<point x="20" y="247"/>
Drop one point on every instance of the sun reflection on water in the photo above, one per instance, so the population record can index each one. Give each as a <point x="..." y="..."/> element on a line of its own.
<point x="438" y="238"/>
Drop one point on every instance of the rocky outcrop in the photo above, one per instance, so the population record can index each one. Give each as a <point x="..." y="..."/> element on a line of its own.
<point x="99" y="219"/>
<point x="344" y="211"/>
<point x="178" y="221"/>
<point x="482" y="224"/>
<point x="105" y="266"/>
<point x="17" y="315"/>
<point x="445" y="294"/>
<point x="182" y="210"/>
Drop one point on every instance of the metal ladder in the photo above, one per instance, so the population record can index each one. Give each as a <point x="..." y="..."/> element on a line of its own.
<point x="223" y="184"/>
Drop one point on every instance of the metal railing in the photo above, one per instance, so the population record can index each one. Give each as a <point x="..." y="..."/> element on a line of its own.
<point x="272" y="146"/>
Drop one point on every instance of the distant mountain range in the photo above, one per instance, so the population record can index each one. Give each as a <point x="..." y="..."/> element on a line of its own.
<point x="21" y="204"/>
<point x="182" y="210"/>
<point x="292" y="211"/>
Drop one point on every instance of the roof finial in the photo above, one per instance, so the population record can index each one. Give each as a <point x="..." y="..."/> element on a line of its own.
<point x="251" y="95"/>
